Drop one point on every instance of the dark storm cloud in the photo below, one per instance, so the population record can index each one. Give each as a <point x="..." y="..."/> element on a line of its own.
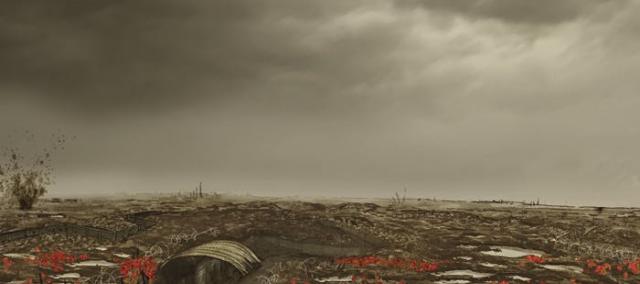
<point x="540" y="12"/>
<point x="460" y="99"/>
<point x="102" y="54"/>
<point x="114" y="54"/>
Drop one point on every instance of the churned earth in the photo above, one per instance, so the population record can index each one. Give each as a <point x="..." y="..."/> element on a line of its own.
<point x="333" y="241"/>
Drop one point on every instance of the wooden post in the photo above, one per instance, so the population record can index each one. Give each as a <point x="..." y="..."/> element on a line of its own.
<point x="39" y="276"/>
<point x="144" y="278"/>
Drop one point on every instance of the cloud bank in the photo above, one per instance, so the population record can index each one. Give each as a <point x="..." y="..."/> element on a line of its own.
<point x="453" y="99"/>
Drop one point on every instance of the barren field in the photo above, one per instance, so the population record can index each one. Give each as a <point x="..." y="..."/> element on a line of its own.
<point x="377" y="241"/>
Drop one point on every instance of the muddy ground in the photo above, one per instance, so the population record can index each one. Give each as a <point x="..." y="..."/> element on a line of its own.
<point x="469" y="242"/>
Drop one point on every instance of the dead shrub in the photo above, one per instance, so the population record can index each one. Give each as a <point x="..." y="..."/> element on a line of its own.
<point x="23" y="180"/>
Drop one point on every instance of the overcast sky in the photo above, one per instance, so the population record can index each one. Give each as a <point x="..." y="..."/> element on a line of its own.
<point x="459" y="99"/>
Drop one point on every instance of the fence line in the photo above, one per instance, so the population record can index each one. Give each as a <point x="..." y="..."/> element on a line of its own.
<point x="139" y="221"/>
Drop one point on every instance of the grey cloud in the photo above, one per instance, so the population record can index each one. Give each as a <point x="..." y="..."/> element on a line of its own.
<point x="362" y="97"/>
<point x="101" y="55"/>
<point x="543" y="12"/>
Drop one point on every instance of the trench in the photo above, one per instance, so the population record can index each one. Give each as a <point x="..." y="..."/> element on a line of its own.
<point x="139" y="221"/>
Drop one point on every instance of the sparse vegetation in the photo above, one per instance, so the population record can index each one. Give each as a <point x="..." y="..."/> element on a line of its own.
<point x="197" y="192"/>
<point x="361" y="242"/>
<point x="27" y="187"/>
<point x="23" y="177"/>
<point x="398" y="200"/>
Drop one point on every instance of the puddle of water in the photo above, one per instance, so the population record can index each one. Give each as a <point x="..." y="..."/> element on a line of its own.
<point x="334" y="279"/>
<point x="66" y="276"/>
<point x="459" y="281"/>
<point x="91" y="263"/>
<point x="122" y="255"/>
<point x="520" y="278"/>
<point x="563" y="268"/>
<point x="101" y="248"/>
<point x="511" y="252"/>
<point x="19" y="255"/>
<point x="475" y="237"/>
<point x="492" y="265"/>
<point x="467" y="246"/>
<point x="465" y="272"/>
<point x="467" y="258"/>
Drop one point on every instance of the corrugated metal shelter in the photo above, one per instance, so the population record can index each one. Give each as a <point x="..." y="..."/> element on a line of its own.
<point x="237" y="254"/>
<point x="216" y="262"/>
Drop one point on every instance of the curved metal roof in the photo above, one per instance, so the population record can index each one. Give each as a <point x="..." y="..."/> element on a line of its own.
<point x="237" y="254"/>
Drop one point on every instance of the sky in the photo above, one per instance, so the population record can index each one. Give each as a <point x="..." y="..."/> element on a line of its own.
<point x="452" y="99"/>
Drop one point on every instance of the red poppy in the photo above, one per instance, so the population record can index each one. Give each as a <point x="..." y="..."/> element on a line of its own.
<point x="6" y="264"/>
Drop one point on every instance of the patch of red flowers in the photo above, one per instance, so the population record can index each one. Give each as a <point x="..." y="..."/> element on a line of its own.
<point x="534" y="259"/>
<point x="633" y="266"/>
<point x="531" y="259"/>
<point x="398" y="263"/>
<point x="134" y="268"/>
<point x="624" y="269"/>
<point x="54" y="260"/>
<point x="6" y="264"/>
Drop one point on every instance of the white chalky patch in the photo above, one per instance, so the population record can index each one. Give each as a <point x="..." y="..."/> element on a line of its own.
<point x="66" y="276"/>
<point x="334" y="279"/>
<point x="458" y="281"/>
<point x="20" y="255"/>
<point x="511" y="252"/>
<point x="492" y="265"/>
<point x="565" y="268"/>
<point x="520" y="278"/>
<point x="91" y="263"/>
<point x="465" y="272"/>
